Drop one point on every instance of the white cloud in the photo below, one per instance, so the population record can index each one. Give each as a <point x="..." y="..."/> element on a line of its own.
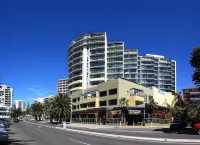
<point x="41" y="91"/>
<point x="32" y="89"/>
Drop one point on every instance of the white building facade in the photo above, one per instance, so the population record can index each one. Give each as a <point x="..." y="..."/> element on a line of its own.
<point x="62" y="86"/>
<point x="92" y="60"/>
<point x="6" y="96"/>
<point x="6" y="99"/>
<point x="20" y="104"/>
<point x="42" y="99"/>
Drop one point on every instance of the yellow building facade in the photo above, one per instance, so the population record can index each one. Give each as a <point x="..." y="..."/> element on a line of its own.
<point x="108" y="94"/>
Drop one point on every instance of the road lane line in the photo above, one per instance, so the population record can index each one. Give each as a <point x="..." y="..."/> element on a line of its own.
<point x="79" y="142"/>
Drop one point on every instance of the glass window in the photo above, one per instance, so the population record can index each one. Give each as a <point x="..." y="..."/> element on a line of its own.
<point x="103" y="93"/>
<point x="103" y="103"/>
<point x="113" y="91"/>
<point x="112" y="102"/>
<point x="91" y="104"/>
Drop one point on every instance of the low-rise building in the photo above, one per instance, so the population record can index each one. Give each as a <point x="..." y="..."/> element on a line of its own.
<point x="106" y="96"/>
<point x="192" y="93"/>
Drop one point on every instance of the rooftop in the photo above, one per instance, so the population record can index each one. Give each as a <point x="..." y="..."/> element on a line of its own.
<point x="193" y="87"/>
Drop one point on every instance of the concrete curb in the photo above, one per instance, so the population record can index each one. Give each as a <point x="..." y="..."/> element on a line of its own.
<point x="122" y="136"/>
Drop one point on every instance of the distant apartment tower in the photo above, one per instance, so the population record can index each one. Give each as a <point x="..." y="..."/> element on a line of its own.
<point x="93" y="60"/>
<point x="20" y="104"/>
<point x="42" y="99"/>
<point x="157" y="71"/>
<point x="62" y="86"/>
<point x="6" y="96"/>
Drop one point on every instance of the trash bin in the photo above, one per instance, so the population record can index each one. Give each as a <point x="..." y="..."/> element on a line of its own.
<point x="143" y="123"/>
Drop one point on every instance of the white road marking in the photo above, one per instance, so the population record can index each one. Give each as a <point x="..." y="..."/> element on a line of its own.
<point x="79" y="142"/>
<point x="134" y="131"/>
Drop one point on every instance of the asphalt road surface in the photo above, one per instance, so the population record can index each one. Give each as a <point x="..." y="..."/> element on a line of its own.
<point x="29" y="134"/>
<point x="144" y="132"/>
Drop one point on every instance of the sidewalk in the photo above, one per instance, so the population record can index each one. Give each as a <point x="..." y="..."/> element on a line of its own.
<point x="97" y="126"/>
<point x="107" y="126"/>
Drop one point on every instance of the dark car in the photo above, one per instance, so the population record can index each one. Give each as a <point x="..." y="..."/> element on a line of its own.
<point x="3" y="135"/>
<point x="178" y="124"/>
<point x="16" y="120"/>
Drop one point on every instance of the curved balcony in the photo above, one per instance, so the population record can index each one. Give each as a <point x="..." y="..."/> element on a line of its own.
<point x="80" y="51"/>
<point x="85" y="43"/>
<point x="75" y="59"/>
<point x="76" y="88"/>
<point x="75" y="82"/>
<point x="75" y="64"/>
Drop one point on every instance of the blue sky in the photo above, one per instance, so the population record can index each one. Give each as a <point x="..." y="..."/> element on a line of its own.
<point x="34" y="35"/>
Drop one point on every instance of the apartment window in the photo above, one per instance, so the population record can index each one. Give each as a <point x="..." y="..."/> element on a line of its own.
<point x="74" y="107"/>
<point x="103" y="93"/>
<point x="74" y="100"/>
<point x="77" y="107"/>
<point x="83" y="105"/>
<point x="112" y="102"/>
<point x="103" y="103"/>
<point x="91" y="104"/>
<point x="113" y="91"/>
<point x="138" y="103"/>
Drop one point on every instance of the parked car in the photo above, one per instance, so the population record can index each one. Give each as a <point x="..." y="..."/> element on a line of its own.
<point x="3" y="135"/>
<point x="196" y="128"/>
<point x="5" y="122"/>
<point x="16" y="120"/>
<point x="2" y="125"/>
<point x="178" y="124"/>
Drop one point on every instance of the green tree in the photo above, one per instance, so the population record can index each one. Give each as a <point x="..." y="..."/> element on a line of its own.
<point x="123" y="102"/>
<point x="37" y="110"/>
<point x="48" y="108"/>
<point x="193" y="108"/>
<point x="16" y="113"/>
<point x="61" y="106"/>
<point x="195" y="63"/>
<point x="153" y="107"/>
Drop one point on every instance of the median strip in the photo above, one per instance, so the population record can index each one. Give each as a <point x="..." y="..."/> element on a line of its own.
<point x="122" y="136"/>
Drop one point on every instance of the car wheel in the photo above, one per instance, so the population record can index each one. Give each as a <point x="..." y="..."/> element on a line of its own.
<point x="198" y="131"/>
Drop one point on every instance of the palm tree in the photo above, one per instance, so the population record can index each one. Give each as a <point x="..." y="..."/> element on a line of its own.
<point x="61" y="106"/>
<point x="37" y="110"/>
<point x="153" y="106"/>
<point x="123" y="102"/>
<point x="48" y="108"/>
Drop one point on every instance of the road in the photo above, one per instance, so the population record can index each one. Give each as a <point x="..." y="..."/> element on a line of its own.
<point x="144" y="132"/>
<point x="29" y="134"/>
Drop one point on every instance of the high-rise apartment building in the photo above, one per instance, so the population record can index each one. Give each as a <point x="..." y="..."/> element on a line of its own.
<point x="6" y="96"/>
<point x="20" y="104"/>
<point x="62" y="85"/>
<point x="92" y="60"/>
